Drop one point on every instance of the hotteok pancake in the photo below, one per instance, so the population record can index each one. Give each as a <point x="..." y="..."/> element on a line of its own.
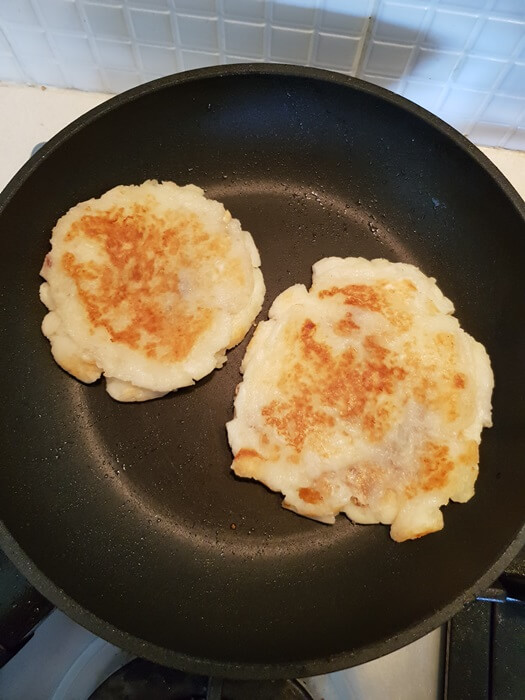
<point x="363" y="396"/>
<point x="149" y="286"/>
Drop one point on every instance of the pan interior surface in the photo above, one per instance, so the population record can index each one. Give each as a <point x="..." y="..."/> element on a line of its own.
<point x="131" y="509"/>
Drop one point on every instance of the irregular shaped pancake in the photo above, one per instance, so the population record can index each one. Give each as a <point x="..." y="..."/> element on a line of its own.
<point x="148" y="285"/>
<point x="363" y="396"/>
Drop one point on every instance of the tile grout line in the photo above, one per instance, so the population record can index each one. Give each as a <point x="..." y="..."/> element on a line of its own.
<point x="363" y="48"/>
<point x="267" y="39"/>
<point x="93" y="45"/>
<point x="15" y="58"/>
<point x="314" y="36"/>
<point x="50" y="40"/>
<point x="474" y="34"/>
<point x="412" y="59"/>
<point x="139" y="67"/>
<point x="221" y="34"/>
<point x="44" y="39"/>
<point x="175" y="30"/>
<point x="493" y="91"/>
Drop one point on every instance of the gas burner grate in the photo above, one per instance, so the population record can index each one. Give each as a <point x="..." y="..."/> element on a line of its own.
<point x="142" y="679"/>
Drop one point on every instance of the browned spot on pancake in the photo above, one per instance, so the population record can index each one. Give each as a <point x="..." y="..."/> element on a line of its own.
<point x="246" y="452"/>
<point x="133" y="291"/>
<point x="435" y="466"/>
<point x="459" y="380"/>
<point x="296" y="418"/>
<point x="311" y="348"/>
<point x="376" y="424"/>
<point x="323" y="386"/>
<point x="426" y="387"/>
<point x="438" y="386"/>
<point x="446" y="340"/>
<point x="346" y="325"/>
<point x="379" y="298"/>
<point x="362" y="295"/>
<point x="309" y="495"/>
<point x="247" y="462"/>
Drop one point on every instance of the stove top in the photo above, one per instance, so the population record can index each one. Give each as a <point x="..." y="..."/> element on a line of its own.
<point x="141" y="679"/>
<point x="479" y="654"/>
<point x="63" y="661"/>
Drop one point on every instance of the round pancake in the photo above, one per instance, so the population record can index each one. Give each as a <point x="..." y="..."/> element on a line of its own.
<point x="148" y="285"/>
<point x="363" y="396"/>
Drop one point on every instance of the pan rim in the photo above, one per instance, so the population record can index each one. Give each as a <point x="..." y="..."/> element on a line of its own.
<point x="247" y="671"/>
<point x="261" y="69"/>
<point x="236" y="669"/>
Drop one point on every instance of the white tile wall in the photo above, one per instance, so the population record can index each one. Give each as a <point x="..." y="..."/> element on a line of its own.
<point x="241" y="9"/>
<point x="462" y="59"/>
<point x="198" y="32"/>
<point x="243" y="38"/>
<point x="294" y="13"/>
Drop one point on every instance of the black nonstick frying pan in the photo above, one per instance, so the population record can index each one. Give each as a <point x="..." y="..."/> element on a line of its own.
<point x="126" y="516"/>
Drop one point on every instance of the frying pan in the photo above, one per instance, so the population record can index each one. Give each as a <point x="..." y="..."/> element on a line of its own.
<point x="126" y="516"/>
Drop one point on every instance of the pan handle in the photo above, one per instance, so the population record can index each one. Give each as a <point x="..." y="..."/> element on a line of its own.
<point x="510" y="587"/>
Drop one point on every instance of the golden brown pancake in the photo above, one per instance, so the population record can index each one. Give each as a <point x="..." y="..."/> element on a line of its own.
<point x="363" y="396"/>
<point x="149" y="286"/>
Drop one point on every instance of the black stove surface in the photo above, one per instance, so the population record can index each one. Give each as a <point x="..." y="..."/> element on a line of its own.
<point x="485" y="648"/>
<point x="143" y="680"/>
